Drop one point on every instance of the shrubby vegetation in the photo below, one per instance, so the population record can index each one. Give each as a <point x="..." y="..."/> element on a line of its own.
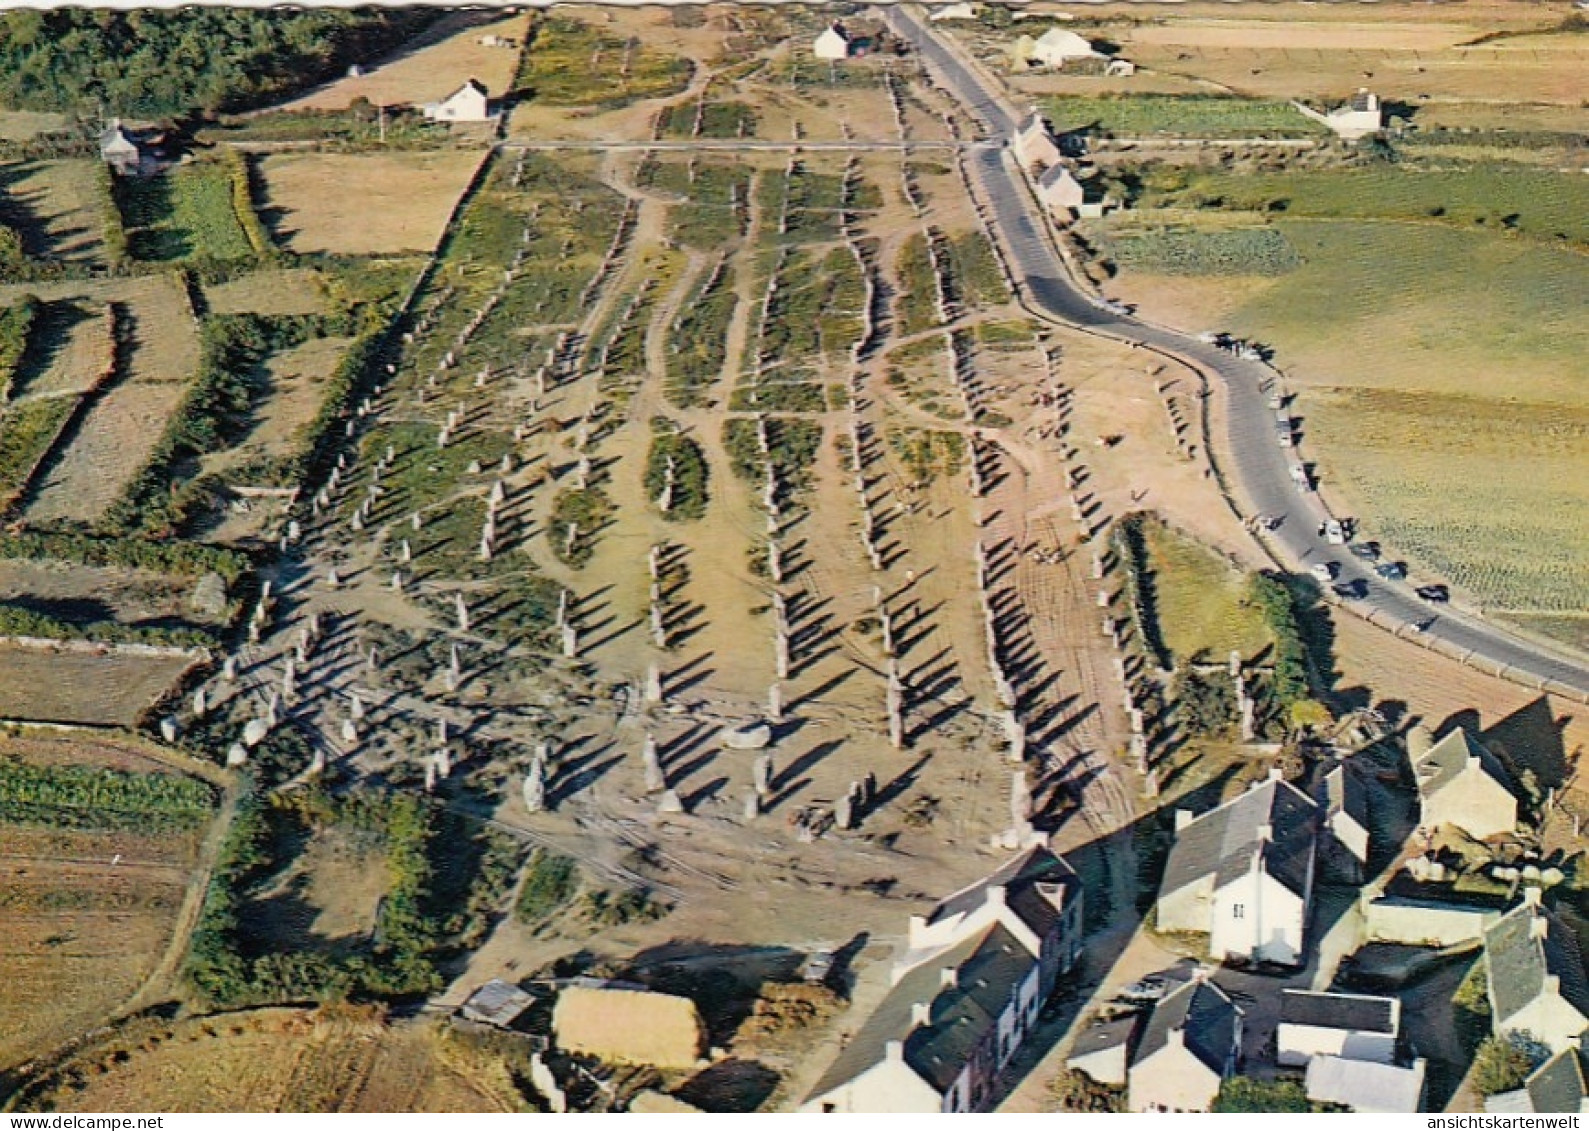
<point x="92" y="797"/>
<point x="793" y="443"/>
<point x="1244" y="1094"/>
<point x="1277" y="603"/>
<point x="16" y="323"/>
<point x="185" y="559"/>
<point x="560" y="67"/>
<point x="16" y="620"/>
<point x="1503" y="1063"/>
<point x="26" y="432"/>
<point x="689" y="471"/>
<point x="589" y="509"/>
<point x="550" y="881"/>
<point x="1189" y="251"/>
<point x="152" y="63"/>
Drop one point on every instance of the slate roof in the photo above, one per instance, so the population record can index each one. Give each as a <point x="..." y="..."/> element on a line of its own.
<point x="1558" y="1085"/>
<point x="1101" y="1035"/>
<point x="1032" y="882"/>
<point x="497" y="1002"/>
<point x="1518" y="963"/>
<point x="1445" y="761"/>
<point x="1364" y="1085"/>
<point x="1363" y="101"/>
<point x="1356" y="1012"/>
<point x="989" y="966"/>
<point x="1344" y="793"/>
<point x="1205" y="1017"/>
<point x="1224" y="841"/>
<point x="472" y="84"/>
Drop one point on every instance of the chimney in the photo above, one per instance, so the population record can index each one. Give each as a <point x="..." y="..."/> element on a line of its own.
<point x="894" y="1050"/>
<point x="1275" y="774"/>
<point x="1552" y="986"/>
<point x="1174" y="1038"/>
<point x="1183" y="817"/>
<point x="1473" y="761"/>
<point x="1530" y="897"/>
<point x="1538" y="927"/>
<point x="948" y="977"/>
<point x="1266" y="833"/>
<point x="920" y="1014"/>
<point x="997" y="895"/>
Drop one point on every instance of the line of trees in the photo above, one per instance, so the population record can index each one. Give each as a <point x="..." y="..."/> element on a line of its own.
<point x="180" y="559"/>
<point x="16" y="323"/>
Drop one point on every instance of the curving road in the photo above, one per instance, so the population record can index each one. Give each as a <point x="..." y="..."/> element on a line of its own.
<point x="1257" y="464"/>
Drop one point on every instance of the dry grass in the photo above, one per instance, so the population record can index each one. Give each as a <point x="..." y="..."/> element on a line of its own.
<point x="55" y="205"/>
<point x="47" y="685"/>
<point x="79" y="592"/>
<point x="116" y="439"/>
<point x="294" y="291"/>
<point x="288" y="1060"/>
<point x="1201" y="611"/>
<point x="432" y="72"/>
<point x="20" y="125"/>
<point x="363" y="204"/>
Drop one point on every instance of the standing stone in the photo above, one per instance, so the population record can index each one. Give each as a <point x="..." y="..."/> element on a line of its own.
<point x="333" y="579"/>
<point x="168" y="730"/>
<point x="844" y="812"/>
<point x="670" y="802"/>
<point x="462" y="610"/>
<point x="752" y="808"/>
<point x="350" y="732"/>
<point x="655" y="779"/>
<point x="229" y="669"/>
<point x="761" y="774"/>
<point x="535" y="786"/>
<point x="442" y="732"/>
<point x="775" y="703"/>
<point x="1015" y="736"/>
<point x="201" y="704"/>
<point x="570" y="642"/>
<point x="653" y="684"/>
<point x="405" y="552"/>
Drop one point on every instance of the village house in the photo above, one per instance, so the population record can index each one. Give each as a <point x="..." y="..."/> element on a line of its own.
<point x="1361" y="116"/>
<point x="1189" y="1046"/>
<point x="1061" y="193"/>
<point x="469" y="103"/>
<point x="1354" y="1026"/>
<point x="1103" y="1050"/>
<point x="497" y="1003"/>
<point x="1242" y="873"/>
<point x="966" y="993"/>
<point x="1367" y="1087"/>
<point x="1536" y="976"/>
<point x="1461" y="784"/>
<point x="130" y="152"/>
<point x="1557" y="1087"/>
<point x="1034" y="144"/>
<point x="1054" y="48"/>
<point x="833" y="43"/>
<point x="959" y="11"/>
<point x="1343" y="825"/>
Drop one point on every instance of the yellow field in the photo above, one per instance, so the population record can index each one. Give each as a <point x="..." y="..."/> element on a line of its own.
<point x="364" y="204"/>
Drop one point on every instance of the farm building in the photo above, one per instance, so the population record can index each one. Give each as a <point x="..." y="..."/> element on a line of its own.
<point x="1343" y="832"/>
<point x="1366" y="1086"/>
<point x="1536" y="976"/>
<point x="1355" y="1026"/>
<point x="129" y="152"/>
<point x="1556" y="1087"/>
<point x="1461" y="784"/>
<point x="1120" y="68"/>
<point x="496" y="1003"/>
<point x="1243" y="873"/>
<point x="1054" y="48"/>
<point x="626" y="1026"/>
<point x="1360" y="117"/>
<point x="979" y="966"/>
<point x="1060" y="192"/>
<point x="1034" y="142"/>
<point x="1190" y="1044"/>
<point x="1103" y="1050"/>
<point x="960" y="11"/>
<point x="833" y="43"/>
<point x="469" y="103"/>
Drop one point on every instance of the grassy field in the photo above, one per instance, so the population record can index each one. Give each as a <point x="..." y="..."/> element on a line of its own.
<point x="55" y="206"/>
<point x="1546" y="205"/>
<point x="362" y="204"/>
<point x="570" y="63"/>
<point x="1200" y="600"/>
<point x="284" y="1060"/>
<point x="1188" y="250"/>
<point x="1188" y="115"/>
<point x="26" y="432"/>
<point x="78" y="937"/>
<point x="53" y="685"/>
<point x="184" y="214"/>
<point x="293" y="291"/>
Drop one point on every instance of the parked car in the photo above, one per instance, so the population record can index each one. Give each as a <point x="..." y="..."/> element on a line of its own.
<point x="1284" y="437"/>
<point x="1354" y="590"/>
<point x="1434" y="594"/>
<point x="1368" y="551"/>
<point x="1324" y="571"/>
<point x="1334" y="533"/>
<point x="1392" y="571"/>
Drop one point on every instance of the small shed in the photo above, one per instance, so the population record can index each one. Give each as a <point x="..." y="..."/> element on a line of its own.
<point x="469" y="103"/>
<point x="1103" y="1050"/>
<point x="1056" y="47"/>
<point x="1060" y="192"/>
<point x="833" y="43"/>
<point x="625" y="1026"/>
<point x="496" y="1003"/>
<point x="1120" y="68"/>
<point x="119" y="150"/>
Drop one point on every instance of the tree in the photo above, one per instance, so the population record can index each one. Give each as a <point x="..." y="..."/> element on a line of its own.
<point x="1503" y="1063"/>
<point x="1308" y="714"/>
<point x="1074" y="1090"/>
<point x="1244" y="1094"/>
<point x="1207" y="703"/>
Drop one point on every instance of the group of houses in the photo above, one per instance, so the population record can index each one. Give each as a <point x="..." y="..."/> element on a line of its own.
<point x="1039" y="152"/>
<point x="1059" y="48"/>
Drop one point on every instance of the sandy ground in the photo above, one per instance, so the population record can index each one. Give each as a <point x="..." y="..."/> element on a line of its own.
<point x="452" y="54"/>
<point x="365" y="203"/>
<point x="41" y="684"/>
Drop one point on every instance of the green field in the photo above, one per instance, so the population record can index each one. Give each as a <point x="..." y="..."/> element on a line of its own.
<point x="570" y="63"/>
<point x="1201" y="600"/>
<point x="1538" y="203"/>
<point x="1187" y="250"/>
<point x="184" y="214"/>
<point x="1136" y="115"/>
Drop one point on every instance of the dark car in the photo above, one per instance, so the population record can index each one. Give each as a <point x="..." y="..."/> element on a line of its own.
<point x="1368" y="551"/>
<point x="1435" y="594"/>
<point x="1391" y="571"/>
<point x="1354" y="590"/>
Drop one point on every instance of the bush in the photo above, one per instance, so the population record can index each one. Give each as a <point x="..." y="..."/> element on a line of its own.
<point x="1074" y="1090"/>
<point x="1207" y="702"/>
<point x="1274" y="599"/>
<point x="1503" y="1063"/>
<point x="1242" y="1094"/>
<point x="16" y="323"/>
<point x="689" y="471"/>
<point x="90" y="797"/>
<point x="550" y="881"/>
<point x="1185" y="251"/>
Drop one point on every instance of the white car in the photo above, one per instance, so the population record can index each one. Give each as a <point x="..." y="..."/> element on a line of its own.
<point x="1324" y="571"/>
<point x="1334" y="533"/>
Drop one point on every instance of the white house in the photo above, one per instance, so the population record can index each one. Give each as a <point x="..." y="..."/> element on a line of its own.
<point x="1354" y="1026"/>
<point x="1366" y="1086"/>
<point x="965" y="994"/>
<point x="1536" y="976"/>
<point x="1242" y="873"/>
<point x="469" y="103"/>
<point x="1060" y="192"/>
<point x="1120" y="68"/>
<point x="1359" y="117"/>
<point x="1461" y="784"/>
<point x="118" y="150"/>
<point x="1056" y="47"/>
<point x="1103" y="1050"/>
<point x="959" y="11"/>
<point x="1034" y="142"/>
<point x="1190" y="1044"/>
<point x="833" y="43"/>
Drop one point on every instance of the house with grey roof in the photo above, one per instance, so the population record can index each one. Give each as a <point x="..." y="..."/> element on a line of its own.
<point x="965" y="994"/>
<point x="1060" y="192"/>
<point x="1367" y="1087"/>
<point x="1355" y="1026"/>
<point x="1103" y="1049"/>
<point x="1557" y="1087"/>
<point x="1343" y="825"/>
<point x="1034" y="142"/>
<point x="1461" y="784"/>
<point x="1190" y="1044"/>
<point x="496" y="1003"/>
<point x="1536" y="976"/>
<point x="1242" y="873"/>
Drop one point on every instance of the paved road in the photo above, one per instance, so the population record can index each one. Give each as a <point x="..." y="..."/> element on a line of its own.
<point x="1259" y="467"/>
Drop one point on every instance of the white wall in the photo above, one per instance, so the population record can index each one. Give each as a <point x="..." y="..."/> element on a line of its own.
<point x="889" y="1086"/>
<point x="1298" y="1043"/>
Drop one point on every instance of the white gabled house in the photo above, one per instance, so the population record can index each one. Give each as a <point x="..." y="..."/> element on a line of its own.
<point x="1056" y="47"/>
<point x="1242" y="873"/>
<point x="1536" y="976"/>
<point x="833" y="43"/>
<point x="1060" y="192"/>
<point x="1343" y="835"/>
<point x="469" y="103"/>
<point x="1460" y="783"/>
<point x="1189" y="1045"/>
<point x="1354" y="1026"/>
<point x="1034" y="143"/>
